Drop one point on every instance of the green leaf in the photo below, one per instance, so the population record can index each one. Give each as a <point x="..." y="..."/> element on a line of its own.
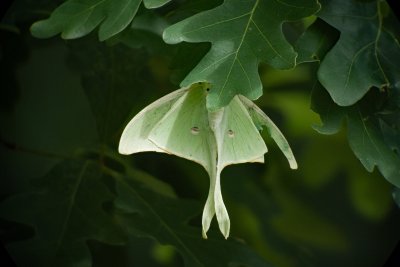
<point x="242" y="34"/>
<point x="373" y="122"/>
<point x="145" y="31"/>
<point x="367" y="141"/>
<point x="315" y="42"/>
<point x="366" y="55"/>
<point x="365" y="137"/>
<point x="76" y="18"/>
<point x="331" y="114"/>
<point x="154" y="3"/>
<point x="66" y="210"/>
<point x="391" y="130"/>
<point x="165" y="219"/>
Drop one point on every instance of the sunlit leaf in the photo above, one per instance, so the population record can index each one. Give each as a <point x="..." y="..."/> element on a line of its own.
<point x="242" y="34"/>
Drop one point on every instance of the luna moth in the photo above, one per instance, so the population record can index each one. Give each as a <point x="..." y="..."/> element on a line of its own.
<point x="180" y="124"/>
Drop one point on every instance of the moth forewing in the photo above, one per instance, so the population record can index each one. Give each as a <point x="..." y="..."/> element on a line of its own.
<point x="134" y="138"/>
<point x="184" y="130"/>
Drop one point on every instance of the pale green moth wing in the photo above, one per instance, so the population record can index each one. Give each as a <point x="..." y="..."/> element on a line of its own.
<point x="261" y="119"/>
<point x="180" y="124"/>
<point x="238" y="139"/>
<point x="134" y="138"/>
<point x="184" y="131"/>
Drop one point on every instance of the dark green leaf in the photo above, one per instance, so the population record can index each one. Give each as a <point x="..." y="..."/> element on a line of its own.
<point x="144" y="32"/>
<point x="367" y="142"/>
<point x="76" y="18"/>
<point x="154" y="3"/>
<point x="166" y="219"/>
<point x="66" y="210"/>
<point x="315" y="42"/>
<point x="364" y="134"/>
<point x="331" y="115"/>
<point x="242" y="34"/>
<point x="366" y="55"/>
<point x="372" y="122"/>
<point x="391" y="131"/>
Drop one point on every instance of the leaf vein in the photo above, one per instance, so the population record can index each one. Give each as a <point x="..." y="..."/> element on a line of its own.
<point x="269" y="43"/>
<point x="239" y="47"/>
<point x="245" y="73"/>
<point x="353" y="60"/>
<point x="217" y="61"/>
<point x="217" y="23"/>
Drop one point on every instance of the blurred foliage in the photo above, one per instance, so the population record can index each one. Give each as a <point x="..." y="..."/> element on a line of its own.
<point x="70" y="200"/>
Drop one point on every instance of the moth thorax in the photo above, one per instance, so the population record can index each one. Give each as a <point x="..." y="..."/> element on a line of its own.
<point x="215" y="118"/>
